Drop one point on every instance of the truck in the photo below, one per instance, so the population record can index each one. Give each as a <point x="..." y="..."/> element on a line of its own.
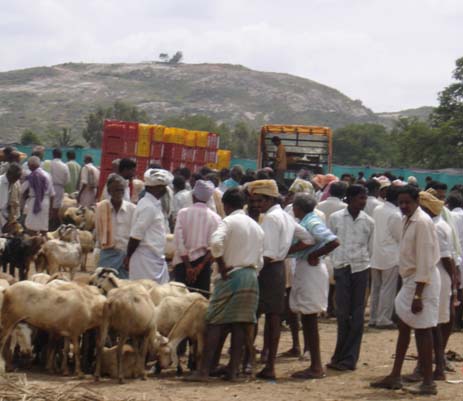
<point x="307" y="147"/>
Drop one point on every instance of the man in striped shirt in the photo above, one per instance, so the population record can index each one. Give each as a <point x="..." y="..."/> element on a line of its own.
<point x="193" y="231"/>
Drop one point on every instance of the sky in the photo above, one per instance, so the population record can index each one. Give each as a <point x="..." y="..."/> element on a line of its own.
<point x="390" y="54"/>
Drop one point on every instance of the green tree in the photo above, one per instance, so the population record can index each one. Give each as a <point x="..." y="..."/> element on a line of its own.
<point x="61" y="138"/>
<point x="93" y="132"/>
<point x="28" y="137"/>
<point x="362" y="144"/>
<point x="450" y="109"/>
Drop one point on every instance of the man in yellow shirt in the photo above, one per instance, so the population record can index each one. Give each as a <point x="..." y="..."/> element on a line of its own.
<point x="281" y="164"/>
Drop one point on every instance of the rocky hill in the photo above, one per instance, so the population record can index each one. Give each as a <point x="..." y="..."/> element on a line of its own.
<point x="63" y="95"/>
<point x="421" y="113"/>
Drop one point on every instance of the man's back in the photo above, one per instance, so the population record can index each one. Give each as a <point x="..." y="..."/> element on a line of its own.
<point x="331" y="205"/>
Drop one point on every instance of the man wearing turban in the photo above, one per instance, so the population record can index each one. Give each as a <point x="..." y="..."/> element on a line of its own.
<point x="193" y="230"/>
<point x="145" y="251"/>
<point x="279" y="230"/>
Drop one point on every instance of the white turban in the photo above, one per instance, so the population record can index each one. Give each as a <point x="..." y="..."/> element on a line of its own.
<point x="154" y="177"/>
<point x="203" y="190"/>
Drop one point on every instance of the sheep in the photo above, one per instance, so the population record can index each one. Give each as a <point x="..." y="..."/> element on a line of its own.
<point x="105" y="279"/>
<point x="8" y="277"/>
<point x="130" y="313"/>
<point x="82" y="217"/>
<point x="68" y="202"/>
<point x="21" y="335"/>
<point x="19" y="252"/>
<point x="191" y="325"/>
<point x="129" y="362"/>
<point x="68" y="233"/>
<point x="60" y="254"/>
<point x="67" y="310"/>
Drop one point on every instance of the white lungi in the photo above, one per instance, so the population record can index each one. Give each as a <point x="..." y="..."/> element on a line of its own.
<point x="428" y="317"/>
<point x="444" y="296"/>
<point x="39" y="221"/>
<point x="309" y="291"/>
<point x="144" y="264"/>
<point x="59" y="195"/>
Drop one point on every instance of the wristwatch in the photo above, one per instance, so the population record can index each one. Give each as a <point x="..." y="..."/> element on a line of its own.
<point x="416" y="297"/>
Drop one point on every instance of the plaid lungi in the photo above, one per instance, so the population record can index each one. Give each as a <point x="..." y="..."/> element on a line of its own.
<point x="234" y="300"/>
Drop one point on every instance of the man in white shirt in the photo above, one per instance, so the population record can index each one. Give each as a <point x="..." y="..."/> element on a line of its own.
<point x="10" y="195"/>
<point x="385" y="261"/>
<point x="89" y="177"/>
<point x="279" y="229"/>
<point x="193" y="230"/>
<point x="145" y="250"/>
<point x="113" y="223"/>
<point x="417" y="304"/>
<point x="237" y="245"/>
<point x="182" y="197"/>
<point x="373" y="192"/>
<point x="351" y="260"/>
<point x="334" y="202"/>
<point x="455" y="203"/>
<point x="60" y="177"/>
<point x="38" y="191"/>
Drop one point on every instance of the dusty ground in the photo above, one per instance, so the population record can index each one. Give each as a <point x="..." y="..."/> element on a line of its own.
<point x="375" y="361"/>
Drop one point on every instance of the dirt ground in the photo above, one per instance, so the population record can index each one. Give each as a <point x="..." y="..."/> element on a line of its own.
<point x="375" y="361"/>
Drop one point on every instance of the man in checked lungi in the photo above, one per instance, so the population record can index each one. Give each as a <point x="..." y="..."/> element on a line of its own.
<point x="238" y="246"/>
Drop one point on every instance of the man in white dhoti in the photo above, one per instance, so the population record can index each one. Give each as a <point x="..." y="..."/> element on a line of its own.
<point x="417" y="304"/>
<point x="38" y="191"/>
<point x="309" y="292"/>
<point x="145" y="251"/>
<point x="60" y="177"/>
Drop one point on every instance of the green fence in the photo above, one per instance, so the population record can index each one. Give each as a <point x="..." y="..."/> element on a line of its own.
<point x="80" y="153"/>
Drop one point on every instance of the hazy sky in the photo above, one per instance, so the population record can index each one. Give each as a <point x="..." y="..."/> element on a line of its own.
<point x="391" y="54"/>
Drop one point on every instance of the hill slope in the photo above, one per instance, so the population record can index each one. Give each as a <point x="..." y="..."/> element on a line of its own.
<point x="63" y="95"/>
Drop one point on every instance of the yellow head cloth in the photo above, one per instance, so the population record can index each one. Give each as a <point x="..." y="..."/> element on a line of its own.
<point x="431" y="203"/>
<point x="264" y="187"/>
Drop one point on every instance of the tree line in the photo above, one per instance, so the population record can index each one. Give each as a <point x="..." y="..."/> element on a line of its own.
<point x="435" y="144"/>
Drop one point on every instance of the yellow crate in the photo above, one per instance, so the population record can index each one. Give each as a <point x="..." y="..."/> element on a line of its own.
<point x="190" y="138"/>
<point x="174" y="135"/>
<point x="158" y="133"/>
<point x="201" y="139"/>
<point x="144" y="140"/>
<point x="223" y="159"/>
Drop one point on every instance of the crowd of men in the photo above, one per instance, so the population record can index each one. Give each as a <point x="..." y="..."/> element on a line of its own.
<point x="292" y="253"/>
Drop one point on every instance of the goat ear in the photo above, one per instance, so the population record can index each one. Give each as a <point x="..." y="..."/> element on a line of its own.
<point x="112" y="280"/>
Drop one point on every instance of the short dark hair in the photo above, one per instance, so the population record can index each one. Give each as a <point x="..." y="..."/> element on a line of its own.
<point x="205" y="171"/>
<point x="372" y="185"/>
<point x="411" y="190"/>
<point x="115" y="178"/>
<point x="7" y="150"/>
<point x="234" y="198"/>
<point x="71" y="155"/>
<point x="262" y="175"/>
<point x="179" y="182"/>
<point x="14" y="169"/>
<point x="185" y="172"/>
<point x="212" y="177"/>
<point x="57" y="153"/>
<point x="305" y="202"/>
<point x="338" y="189"/>
<point x="126" y="164"/>
<point x="224" y="174"/>
<point x="438" y="185"/>
<point x="392" y="193"/>
<point x="454" y="200"/>
<point x="346" y="175"/>
<point x="88" y="159"/>
<point x="276" y="138"/>
<point x="355" y="190"/>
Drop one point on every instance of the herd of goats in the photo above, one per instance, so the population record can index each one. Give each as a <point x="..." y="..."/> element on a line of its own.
<point x="93" y="321"/>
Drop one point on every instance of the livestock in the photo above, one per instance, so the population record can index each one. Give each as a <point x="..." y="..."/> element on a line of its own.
<point x="8" y="277"/>
<point x="21" y="335"/>
<point x="60" y="254"/>
<point x="82" y="217"/>
<point x="105" y="279"/>
<point x="130" y="365"/>
<point x="68" y="202"/>
<point x="67" y="310"/>
<point x="131" y="314"/>
<point x="190" y="326"/>
<point x="19" y="252"/>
